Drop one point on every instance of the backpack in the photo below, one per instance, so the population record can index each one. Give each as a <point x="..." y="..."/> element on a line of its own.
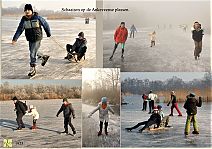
<point x="25" y="106"/>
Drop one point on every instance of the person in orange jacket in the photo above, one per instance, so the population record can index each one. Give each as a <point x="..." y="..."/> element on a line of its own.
<point x="120" y="36"/>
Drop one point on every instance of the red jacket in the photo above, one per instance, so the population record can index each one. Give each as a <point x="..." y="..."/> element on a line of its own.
<point x="120" y="35"/>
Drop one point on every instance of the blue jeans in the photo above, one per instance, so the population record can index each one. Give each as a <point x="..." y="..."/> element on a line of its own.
<point x="33" y="48"/>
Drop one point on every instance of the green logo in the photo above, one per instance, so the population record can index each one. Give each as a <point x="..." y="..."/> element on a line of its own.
<point x="8" y="143"/>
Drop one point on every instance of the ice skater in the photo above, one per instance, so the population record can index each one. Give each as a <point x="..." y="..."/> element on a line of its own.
<point x="68" y="112"/>
<point x="155" y="119"/>
<point x="120" y="37"/>
<point x="35" y="115"/>
<point x="103" y="108"/>
<point x="20" y="109"/>
<point x="174" y="104"/>
<point x="152" y="38"/>
<point x="197" y="35"/>
<point x="191" y="105"/>
<point x="132" y="31"/>
<point x="79" y="47"/>
<point x="31" y="22"/>
<point x="144" y="97"/>
<point x="151" y="97"/>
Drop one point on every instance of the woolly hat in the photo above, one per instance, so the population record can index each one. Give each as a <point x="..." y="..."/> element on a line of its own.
<point x="28" y="7"/>
<point x="159" y="107"/>
<point x="14" y="98"/>
<point x="104" y="100"/>
<point x="192" y="94"/>
<point x="122" y="22"/>
<point x="81" y="34"/>
<point x="155" y="108"/>
<point x="65" y="99"/>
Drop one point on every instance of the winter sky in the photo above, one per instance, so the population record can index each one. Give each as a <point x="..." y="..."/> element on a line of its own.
<point x="51" y="4"/>
<point x="186" y="76"/>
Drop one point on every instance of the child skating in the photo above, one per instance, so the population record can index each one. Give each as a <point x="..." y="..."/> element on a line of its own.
<point x="31" y="22"/>
<point x="103" y="108"/>
<point x="191" y="105"/>
<point x="35" y="115"/>
<point x="120" y="37"/>
<point x="68" y="112"/>
<point x="152" y="38"/>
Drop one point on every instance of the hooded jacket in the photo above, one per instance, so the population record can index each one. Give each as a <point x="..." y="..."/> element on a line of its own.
<point x="19" y="106"/>
<point x="32" y="27"/>
<point x="191" y="105"/>
<point x="103" y="113"/>
<point x="67" y="110"/>
<point x="120" y="35"/>
<point x="34" y="113"/>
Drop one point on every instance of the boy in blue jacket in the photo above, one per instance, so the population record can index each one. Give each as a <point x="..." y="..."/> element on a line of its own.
<point x="32" y="23"/>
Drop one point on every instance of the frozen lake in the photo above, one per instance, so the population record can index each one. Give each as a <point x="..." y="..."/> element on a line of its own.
<point x="131" y="114"/>
<point x="47" y="136"/>
<point x="15" y="59"/>
<point x="173" y="52"/>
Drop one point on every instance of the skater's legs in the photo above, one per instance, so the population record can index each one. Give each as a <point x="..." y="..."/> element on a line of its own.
<point x="152" y="103"/>
<point x="150" y="106"/>
<point x="130" y="34"/>
<point x="33" y="48"/>
<point x="100" y="126"/>
<point x="188" y="122"/>
<point x="195" y="123"/>
<point x="145" y="105"/>
<point x="106" y="126"/>
<point x="114" y="50"/>
<point x="71" y="125"/>
<point x="172" y="107"/>
<point x="19" y="120"/>
<point x="68" y="48"/>
<point x="66" y="122"/>
<point x="178" y="110"/>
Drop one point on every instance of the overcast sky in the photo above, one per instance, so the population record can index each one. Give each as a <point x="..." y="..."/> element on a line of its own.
<point x="186" y="76"/>
<point x="51" y="4"/>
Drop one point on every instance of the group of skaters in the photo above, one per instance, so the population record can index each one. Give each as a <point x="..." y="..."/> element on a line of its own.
<point x="157" y="118"/>
<point x="22" y="109"/>
<point x="32" y="23"/>
<point x="121" y="34"/>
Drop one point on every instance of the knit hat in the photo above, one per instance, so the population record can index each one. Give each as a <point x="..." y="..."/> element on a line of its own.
<point x="192" y="94"/>
<point x="65" y="99"/>
<point x="28" y="7"/>
<point x="14" y="98"/>
<point x="159" y="107"/>
<point x="122" y="22"/>
<point x="150" y="91"/>
<point x="31" y="106"/>
<point x="81" y="34"/>
<point x="104" y="100"/>
<point x="155" y="108"/>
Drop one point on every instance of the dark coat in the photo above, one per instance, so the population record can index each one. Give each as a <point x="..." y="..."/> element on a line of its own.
<point x="156" y="118"/>
<point x="32" y="27"/>
<point x="20" y="109"/>
<point x="191" y="105"/>
<point x="197" y="35"/>
<point x="67" y="110"/>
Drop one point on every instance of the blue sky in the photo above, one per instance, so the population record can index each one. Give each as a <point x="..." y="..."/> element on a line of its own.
<point x="186" y="76"/>
<point x="72" y="83"/>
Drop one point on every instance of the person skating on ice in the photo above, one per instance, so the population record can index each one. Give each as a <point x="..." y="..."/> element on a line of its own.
<point x="144" y="97"/>
<point x="151" y="97"/>
<point x="31" y="22"/>
<point x="35" y="115"/>
<point x="132" y="31"/>
<point x="78" y="47"/>
<point x="20" y="109"/>
<point x="68" y="112"/>
<point x="191" y="105"/>
<point x="103" y="108"/>
<point x="174" y="104"/>
<point x="197" y="35"/>
<point x="120" y="37"/>
<point x="152" y="38"/>
<point x="155" y="119"/>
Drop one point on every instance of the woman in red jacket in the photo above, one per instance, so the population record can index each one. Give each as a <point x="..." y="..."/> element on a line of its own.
<point x="120" y="36"/>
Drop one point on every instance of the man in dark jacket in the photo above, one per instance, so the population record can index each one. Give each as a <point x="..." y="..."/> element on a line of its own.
<point x="79" y="47"/>
<point x="68" y="111"/>
<point x="191" y="105"/>
<point x="32" y="23"/>
<point x="197" y="34"/>
<point x="155" y="118"/>
<point x="20" y="112"/>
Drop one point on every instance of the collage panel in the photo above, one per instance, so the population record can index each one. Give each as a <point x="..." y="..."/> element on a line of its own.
<point x="161" y="109"/>
<point x="41" y="114"/>
<point x="101" y="107"/>
<point x="157" y="36"/>
<point x="43" y="42"/>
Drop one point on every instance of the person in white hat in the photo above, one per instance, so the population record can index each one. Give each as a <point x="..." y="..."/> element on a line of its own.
<point x="35" y="115"/>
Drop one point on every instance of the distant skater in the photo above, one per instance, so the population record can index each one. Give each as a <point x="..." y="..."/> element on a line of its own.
<point x="174" y="104"/>
<point x="152" y="38"/>
<point x="144" y="97"/>
<point x="120" y="37"/>
<point x="197" y="35"/>
<point x="132" y="31"/>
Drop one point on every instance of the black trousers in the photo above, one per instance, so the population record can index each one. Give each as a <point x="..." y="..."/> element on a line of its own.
<point x="101" y="126"/>
<point x="151" y="105"/>
<point x="144" y="105"/>
<point x="67" y="121"/>
<point x="146" y="124"/>
<point x="19" y="120"/>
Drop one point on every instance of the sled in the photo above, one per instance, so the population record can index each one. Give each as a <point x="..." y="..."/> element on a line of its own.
<point x="159" y="129"/>
<point x="73" y="56"/>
